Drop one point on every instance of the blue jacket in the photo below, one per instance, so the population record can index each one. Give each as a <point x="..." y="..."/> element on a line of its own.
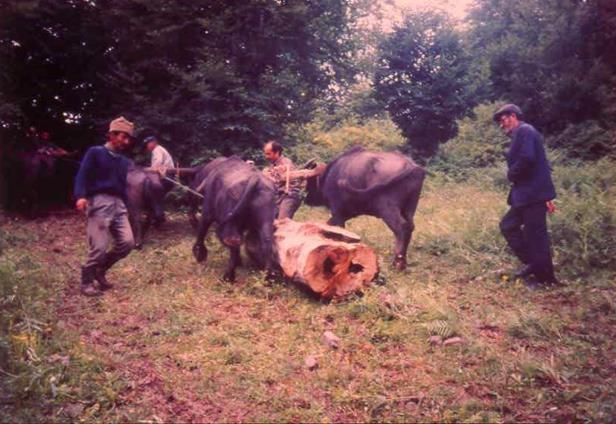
<point x="528" y="168"/>
<point x="102" y="171"/>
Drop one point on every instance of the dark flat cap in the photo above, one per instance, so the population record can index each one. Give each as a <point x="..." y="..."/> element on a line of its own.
<point x="506" y="109"/>
<point x="148" y="139"/>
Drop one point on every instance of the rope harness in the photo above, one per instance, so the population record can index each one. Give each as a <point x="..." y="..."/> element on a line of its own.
<point x="185" y="187"/>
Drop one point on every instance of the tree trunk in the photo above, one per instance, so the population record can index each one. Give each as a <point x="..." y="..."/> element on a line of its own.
<point x="330" y="260"/>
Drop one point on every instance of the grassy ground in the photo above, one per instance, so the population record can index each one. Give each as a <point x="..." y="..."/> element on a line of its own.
<point x="174" y="342"/>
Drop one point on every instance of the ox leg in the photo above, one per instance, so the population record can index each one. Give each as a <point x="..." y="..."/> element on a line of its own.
<point x="402" y="230"/>
<point x="199" y="249"/>
<point x="146" y="224"/>
<point x="134" y="217"/>
<point x="266" y="241"/>
<point x="252" y="247"/>
<point x="234" y="261"/>
<point x="337" y="219"/>
<point x="410" y="214"/>
<point x="192" y="214"/>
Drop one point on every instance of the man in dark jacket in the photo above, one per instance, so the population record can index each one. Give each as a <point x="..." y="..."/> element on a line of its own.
<point x="100" y="189"/>
<point x="532" y="191"/>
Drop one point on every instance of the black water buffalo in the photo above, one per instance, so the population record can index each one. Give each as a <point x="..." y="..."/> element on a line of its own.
<point x="386" y="185"/>
<point x="241" y="201"/>
<point x="198" y="176"/>
<point x="145" y="193"/>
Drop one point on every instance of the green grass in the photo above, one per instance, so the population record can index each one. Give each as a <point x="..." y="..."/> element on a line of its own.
<point x="175" y="342"/>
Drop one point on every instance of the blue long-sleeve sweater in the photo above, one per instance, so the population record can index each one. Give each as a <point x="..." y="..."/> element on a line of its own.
<point x="101" y="171"/>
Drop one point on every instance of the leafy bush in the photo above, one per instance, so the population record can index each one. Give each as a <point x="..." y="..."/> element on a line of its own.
<point x="325" y="143"/>
<point x="479" y="144"/>
<point x="586" y="140"/>
<point x="584" y="227"/>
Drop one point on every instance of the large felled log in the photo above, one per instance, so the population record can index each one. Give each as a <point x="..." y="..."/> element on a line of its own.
<point x="330" y="260"/>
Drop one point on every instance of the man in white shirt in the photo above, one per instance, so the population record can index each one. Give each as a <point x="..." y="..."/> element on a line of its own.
<point x="160" y="156"/>
<point x="160" y="159"/>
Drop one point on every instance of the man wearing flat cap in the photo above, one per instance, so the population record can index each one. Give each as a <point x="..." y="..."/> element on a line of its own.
<point x="532" y="191"/>
<point x="100" y="189"/>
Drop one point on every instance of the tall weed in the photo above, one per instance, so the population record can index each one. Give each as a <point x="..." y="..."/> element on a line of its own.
<point x="39" y="365"/>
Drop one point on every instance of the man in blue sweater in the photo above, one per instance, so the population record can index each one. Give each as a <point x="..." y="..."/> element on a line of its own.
<point x="532" y="191"/>
<point x="100" y="189"/>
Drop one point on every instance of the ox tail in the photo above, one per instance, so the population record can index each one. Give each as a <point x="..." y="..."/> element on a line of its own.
<point x="243" y="200"/>
<point x="417" y="171"/>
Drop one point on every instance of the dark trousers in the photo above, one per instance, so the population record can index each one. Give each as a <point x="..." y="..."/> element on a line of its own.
<point x="526" y="232"/>
<point x="288" y="204"/>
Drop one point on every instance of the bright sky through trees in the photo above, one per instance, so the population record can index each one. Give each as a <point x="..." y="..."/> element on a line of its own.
<point x="394" y="10"/>
<point x="456" y="8"/>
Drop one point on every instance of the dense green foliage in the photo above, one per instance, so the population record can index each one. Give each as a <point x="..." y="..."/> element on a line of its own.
<point x="206" y="75"/>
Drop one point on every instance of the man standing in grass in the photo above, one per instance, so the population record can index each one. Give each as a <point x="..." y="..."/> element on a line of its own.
<point x="288" y="198"/>
<point x="160" y="160"/>
<point x="100" y="189"/>
<point x="524" y="225"/>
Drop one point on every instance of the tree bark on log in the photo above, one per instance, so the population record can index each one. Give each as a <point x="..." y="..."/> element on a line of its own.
<point x="330" y="260"/>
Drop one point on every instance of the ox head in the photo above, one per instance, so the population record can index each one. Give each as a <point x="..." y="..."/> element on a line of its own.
<point x="314" y="184"/>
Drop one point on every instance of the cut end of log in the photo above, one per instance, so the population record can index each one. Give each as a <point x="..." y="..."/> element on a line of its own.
<point x="330" y="260"/>
<point x="338" y="270"/>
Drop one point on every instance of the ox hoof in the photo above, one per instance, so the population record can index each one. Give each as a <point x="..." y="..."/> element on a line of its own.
<point x="200" y="253"/>
<point x="138" y="246"/>
<point x="229" y="276"/>
<point x="400" y="264"/>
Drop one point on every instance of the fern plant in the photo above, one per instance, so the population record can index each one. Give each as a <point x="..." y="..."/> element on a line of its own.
<point x="440" y="328"/>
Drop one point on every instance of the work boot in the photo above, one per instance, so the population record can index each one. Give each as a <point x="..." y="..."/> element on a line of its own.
<point x="525" y="271"/>
<point x="102" y="280"/>
<point x="102" y="269"/>
<point x="87" y="280"/>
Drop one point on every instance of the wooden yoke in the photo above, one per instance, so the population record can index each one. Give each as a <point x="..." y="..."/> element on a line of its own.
<point x="306" y="173"/>
<point x="176" y="171"/>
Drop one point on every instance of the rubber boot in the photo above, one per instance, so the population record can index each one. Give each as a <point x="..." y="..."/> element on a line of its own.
<point x="102" y="270"/>
<point x="87" y="280"/>
<point x="102" y="280"/>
